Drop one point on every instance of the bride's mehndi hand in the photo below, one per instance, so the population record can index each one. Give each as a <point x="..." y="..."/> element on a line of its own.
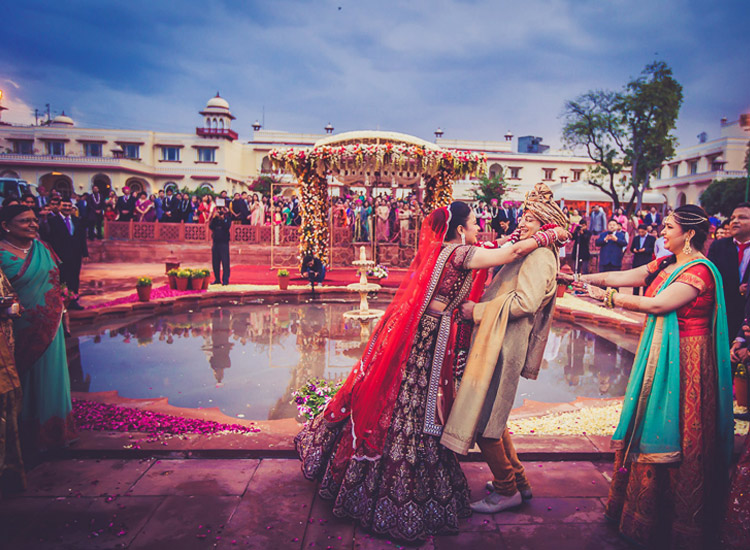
<point x="595" y="292"/>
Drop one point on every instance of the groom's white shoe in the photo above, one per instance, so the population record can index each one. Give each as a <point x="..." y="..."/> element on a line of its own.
<point x="525" y="493"/>
<point x="495" y="502"/>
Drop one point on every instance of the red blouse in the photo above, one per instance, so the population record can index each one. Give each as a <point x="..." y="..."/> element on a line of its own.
<point x="695" y="318"/>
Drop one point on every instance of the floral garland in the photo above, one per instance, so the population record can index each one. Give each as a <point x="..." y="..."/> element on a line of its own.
<point x="311" y="167"/>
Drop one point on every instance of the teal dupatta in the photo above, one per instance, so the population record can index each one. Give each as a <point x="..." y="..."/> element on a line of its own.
<point x="649" y="427"/>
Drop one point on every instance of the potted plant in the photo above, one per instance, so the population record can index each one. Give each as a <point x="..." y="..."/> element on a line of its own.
<point x="183" y="278"/>
<point x="143" y="287"/>
<point x="196" y="279"/>
<point x="378" y="272"/>
<point x="172" y="274"/>
<point x="283" y="276"/>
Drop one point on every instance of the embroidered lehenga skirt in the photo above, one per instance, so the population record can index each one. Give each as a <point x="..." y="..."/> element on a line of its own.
<point x="416" y="488"/>
<point x="677" y="505"/>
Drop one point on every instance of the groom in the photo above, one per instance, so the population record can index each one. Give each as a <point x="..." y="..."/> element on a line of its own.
<point x="513" y="318"/>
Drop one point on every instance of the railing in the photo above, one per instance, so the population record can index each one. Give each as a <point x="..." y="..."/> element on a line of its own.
<point x="284" y="235"/>
<point x="216" y="132"/>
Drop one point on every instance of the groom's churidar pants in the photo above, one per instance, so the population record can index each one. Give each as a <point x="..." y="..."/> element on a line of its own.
<point x="502" y="459"/>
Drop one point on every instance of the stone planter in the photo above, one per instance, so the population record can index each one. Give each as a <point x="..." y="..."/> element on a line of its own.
<point x="283" y="282"/>
<point x="144" y="293"/>
<point x="182" y="283"/>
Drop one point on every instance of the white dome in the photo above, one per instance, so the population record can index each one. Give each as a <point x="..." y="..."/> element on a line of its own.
<point x="217" y="103"/>
<point x="63" y="119"/>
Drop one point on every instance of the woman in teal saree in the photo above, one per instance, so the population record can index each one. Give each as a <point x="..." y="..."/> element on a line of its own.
<point x="31" y="267"/>
<point x="674" y="441"/>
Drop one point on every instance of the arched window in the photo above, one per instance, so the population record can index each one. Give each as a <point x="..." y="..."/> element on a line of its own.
<point x="496" y="170"/>
<point x="205" y="186"/>
<point x="681" y="199"/>
<point x="171" y="185"/>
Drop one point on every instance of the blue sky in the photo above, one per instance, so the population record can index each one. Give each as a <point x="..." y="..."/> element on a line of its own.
<point x="477" y="68"/>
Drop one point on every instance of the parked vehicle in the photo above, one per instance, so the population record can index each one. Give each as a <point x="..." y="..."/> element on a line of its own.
<point x="14" y="187"/>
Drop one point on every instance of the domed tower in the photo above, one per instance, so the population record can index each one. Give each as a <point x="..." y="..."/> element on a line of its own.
<point x="62" y="120"/>
<point x="217" y="120"/>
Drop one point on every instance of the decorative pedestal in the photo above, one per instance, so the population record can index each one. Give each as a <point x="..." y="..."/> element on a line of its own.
<point x="364" y="314"/>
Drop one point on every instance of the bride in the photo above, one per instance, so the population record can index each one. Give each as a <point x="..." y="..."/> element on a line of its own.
<point x="375" y="449"/>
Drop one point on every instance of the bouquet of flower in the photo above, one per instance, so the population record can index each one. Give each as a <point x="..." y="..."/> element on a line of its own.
<point x="378" y="272"/>
<point x="312" y="398"/>
<point x="67" y="295"/>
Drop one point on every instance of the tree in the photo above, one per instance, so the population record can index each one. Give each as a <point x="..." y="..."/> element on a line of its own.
<point x="629" y="129"/>
<point x="650" y="108"/>
<point x="722" y="196"/>
<point x="594" y="121"/>
<point x="488" y="188"/>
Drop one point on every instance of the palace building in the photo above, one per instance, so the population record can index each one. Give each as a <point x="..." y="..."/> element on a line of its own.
<point x="60" y="155"/>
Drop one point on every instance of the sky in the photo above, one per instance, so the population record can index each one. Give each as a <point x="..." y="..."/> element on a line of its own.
<point x="475" y="68"/>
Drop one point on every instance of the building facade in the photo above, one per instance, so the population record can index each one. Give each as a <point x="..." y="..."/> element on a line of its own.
<point x="59" y="155"/>
<point x="683" y="178"/>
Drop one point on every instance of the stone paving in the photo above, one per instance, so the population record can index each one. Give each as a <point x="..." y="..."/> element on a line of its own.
<point x="267" y="504"/>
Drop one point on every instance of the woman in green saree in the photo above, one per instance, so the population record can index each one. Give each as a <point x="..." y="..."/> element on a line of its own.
<point x="674" y="440"/>
<point x="31" y="267"/>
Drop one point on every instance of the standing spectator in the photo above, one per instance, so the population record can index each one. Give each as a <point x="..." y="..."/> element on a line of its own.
<point x="220" y="225"/>
<point x="67" y="237"/>
<point x="47" y="412"/>
<point x="238" y="209"/>
<point x="255" y="211"/>
<point x="206" y="209"/>
<point x="159" y="205"/>
<point x="598" y="220"/>
<point x="125" y="206"/>
<point x="643" y="250"/>
<point x="169" y="207"/>
<point x="29" y="200"/>
<point x="731" y="256"/>
<point x="612" y="244"/>
<point x="581" y="247"/>
<point x="381" y="220"/>
<point x="194" y="213"/>
<point x="47" y="213"/>
<point x="144" y="208"/>
<point x="653" y="217"/>
<point x="42" y="199"/>
<point x="621" y="218"/>
<point x="183" y="208"/>
<point x="575" y="218"/>
<point x="97" y="209"/>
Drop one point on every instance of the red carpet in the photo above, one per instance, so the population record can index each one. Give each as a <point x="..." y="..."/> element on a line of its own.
<point x="264" y="275"/>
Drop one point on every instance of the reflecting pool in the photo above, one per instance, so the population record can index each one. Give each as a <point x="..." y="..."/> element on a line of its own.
<point x="248" y="359"/>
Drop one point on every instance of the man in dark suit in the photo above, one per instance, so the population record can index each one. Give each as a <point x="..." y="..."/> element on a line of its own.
<point x="183" y="208"/>
<point x="98" y="202"/>
<point x="67" y="237"/>
<point x="653" y="217"/>
<point x="642" y="248"/>
<point x="239" y="210"/>
<point x="612" y="243"/>
<point x="169" y="208"/>
<point x="581" y="247"/>
<point x="731" y="256"/>
<point x="42" y="200"/>
<point x="125" y="206"/>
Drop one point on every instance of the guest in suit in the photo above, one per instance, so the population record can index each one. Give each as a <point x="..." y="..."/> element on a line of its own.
<point x="125" y="206"/>
<point x="239" y="210"/>
<point x="581" y="247"/>
<point x="159" y="205"/>
<point x="48" y="211"/>
<point x="731" y="255"/>
<point x="42" y="200"/>
<point x="653" y="217"/>
<point x="183" y="208"/>
<point x="98" y="202"/>
<point x="169" y="207"/>
<point x="642" y="248"/>
<point x="612" y="244"/>
<point x="67" y="237"/>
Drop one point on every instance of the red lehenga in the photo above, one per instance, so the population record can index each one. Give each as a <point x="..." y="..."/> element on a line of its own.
<point x="376" y="449"/>
<point x="678" y="505"/>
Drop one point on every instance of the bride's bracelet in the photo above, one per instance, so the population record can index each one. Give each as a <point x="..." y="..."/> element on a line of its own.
<point x="542" y="239"/>
<point x="609" y="298"/>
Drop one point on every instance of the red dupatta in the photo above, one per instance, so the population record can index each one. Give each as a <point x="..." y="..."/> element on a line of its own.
<point x="369" y="393"/>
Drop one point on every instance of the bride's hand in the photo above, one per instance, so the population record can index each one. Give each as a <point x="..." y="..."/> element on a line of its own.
<point x="561" y="235"/>
<point x="595" y="292"/>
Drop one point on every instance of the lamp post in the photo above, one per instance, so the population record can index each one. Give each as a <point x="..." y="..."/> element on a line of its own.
<point x="439" y="133"/>
<point x="745" y="124"/>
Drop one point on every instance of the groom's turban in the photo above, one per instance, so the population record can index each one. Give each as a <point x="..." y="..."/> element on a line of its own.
<point x="541" y="204"/>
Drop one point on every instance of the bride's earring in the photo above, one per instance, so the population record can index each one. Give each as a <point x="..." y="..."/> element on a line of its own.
<point x="463" y="238"/>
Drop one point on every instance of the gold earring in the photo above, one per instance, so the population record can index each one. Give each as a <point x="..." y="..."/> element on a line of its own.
<point x="687" y="250"/>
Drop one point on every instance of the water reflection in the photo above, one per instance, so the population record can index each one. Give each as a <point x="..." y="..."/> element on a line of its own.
<point x="248" y="359"/>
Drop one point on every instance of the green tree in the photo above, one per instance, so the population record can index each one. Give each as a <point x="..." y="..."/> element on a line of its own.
<point x="593" y="121"/>
<point x="488" y="188"/>
<point x="628" y="129"/>
<point x="650" y="108"/>
<point x="723" y="195"/>
<point x="262" y="185"/>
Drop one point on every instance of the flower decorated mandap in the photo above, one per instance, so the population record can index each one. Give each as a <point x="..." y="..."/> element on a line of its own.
<point x="369" y="159"/>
